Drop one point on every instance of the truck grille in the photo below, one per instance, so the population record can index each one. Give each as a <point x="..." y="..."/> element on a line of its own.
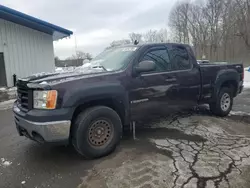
<point x="24" y="98"/>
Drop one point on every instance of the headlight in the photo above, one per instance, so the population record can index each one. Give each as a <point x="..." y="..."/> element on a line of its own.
<point x="45" y="99"/>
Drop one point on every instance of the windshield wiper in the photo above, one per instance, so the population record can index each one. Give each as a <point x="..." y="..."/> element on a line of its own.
<point x="100" y="66"/>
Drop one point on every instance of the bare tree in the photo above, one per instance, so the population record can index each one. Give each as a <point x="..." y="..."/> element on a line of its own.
<point x="135" y="36"/>
<point x="56" y="58"/>
<point x="178" y="21"/>
<point x="215" y="28"/>
<point x="80" y="55"/>
<point x="88" y="56"/>
<point x="198" y="29"/>
<point x="162" y="35"/>
<point x="175" y="24"/>
<point x="243" y="20"/>
<point x="150" y="36"/>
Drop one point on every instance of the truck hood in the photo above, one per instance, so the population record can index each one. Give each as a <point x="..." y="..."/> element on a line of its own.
<point x="53" y="78"/>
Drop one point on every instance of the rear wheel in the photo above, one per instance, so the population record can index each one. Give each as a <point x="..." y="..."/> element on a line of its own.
<point x="224" y="102"/>
<point x="96" y="132"/>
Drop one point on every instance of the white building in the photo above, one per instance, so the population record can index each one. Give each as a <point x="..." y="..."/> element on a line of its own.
<point x="26" y="45"/>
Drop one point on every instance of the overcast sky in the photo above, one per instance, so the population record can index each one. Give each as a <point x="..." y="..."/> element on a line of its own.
<point x="96" y="23"/>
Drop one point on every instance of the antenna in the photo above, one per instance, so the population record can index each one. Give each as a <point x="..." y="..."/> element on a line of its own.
<point x="136" y="42"/>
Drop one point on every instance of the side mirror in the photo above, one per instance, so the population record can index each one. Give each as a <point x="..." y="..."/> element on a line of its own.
<point x="145" y="66"/>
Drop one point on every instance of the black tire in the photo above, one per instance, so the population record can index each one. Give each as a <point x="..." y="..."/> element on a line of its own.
<point x="217" y="108"/>
<point x="86" y="125"/>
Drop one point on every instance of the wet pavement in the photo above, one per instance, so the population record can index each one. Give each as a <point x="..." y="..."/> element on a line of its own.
<point x="242" y="102"/>
<point x="196" y="151"/>
<point x="189" y="149"/>
<point x="33" y="164"/>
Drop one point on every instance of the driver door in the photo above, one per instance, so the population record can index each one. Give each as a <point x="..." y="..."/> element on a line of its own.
<point x="152" y="93"/>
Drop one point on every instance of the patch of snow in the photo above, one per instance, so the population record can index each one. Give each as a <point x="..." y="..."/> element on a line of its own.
<point x="5" y="163"/>
<point x="59" y="69"/>
<point x="39" y="74"/>
<point x="6" y="104"/>
<point x="246" y="84"/>
<point x="86" y="65"/>
<point x="246" y="68"/>
<point x="239" y="113"/>
<point x="65" y="69"/>
<point x="44" y="82"/>
<point x="12" y="89"/>
<point x="246" y="79"/>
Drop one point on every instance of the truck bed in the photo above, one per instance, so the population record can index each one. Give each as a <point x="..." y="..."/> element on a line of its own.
<point x="210" y="72"/>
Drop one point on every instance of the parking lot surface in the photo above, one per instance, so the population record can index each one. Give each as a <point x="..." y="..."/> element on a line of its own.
<point x="186" y="149"/>
<point x="180" y="151"/>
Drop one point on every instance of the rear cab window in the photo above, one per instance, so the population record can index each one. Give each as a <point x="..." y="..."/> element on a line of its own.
<point x="180" y="58"/>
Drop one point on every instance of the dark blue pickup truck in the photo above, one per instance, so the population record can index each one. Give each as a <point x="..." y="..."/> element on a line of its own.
<point x="91" y="106"/>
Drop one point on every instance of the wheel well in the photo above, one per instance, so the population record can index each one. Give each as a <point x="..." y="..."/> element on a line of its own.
<point x="232" y="84"/>
<point x="111" y="103"/>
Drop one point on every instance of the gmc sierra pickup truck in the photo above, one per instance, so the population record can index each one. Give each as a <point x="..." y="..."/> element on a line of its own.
<point x="90" y="107"/>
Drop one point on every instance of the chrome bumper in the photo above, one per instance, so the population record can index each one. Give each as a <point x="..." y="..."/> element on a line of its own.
<point x="54" y="131"/>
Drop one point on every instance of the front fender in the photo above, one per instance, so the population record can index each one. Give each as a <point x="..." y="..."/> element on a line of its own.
<point x="90" y="92"/>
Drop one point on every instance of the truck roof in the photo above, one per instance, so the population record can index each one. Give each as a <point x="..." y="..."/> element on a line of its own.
<point x="148" y="45"/>
<point x="154" y="44"/>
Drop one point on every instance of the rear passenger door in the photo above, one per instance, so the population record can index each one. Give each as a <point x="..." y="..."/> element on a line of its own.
<point x="153" y="93"/>
<point x="187" y="74"/>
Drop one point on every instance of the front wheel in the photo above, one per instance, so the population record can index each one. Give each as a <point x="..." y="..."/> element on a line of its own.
<point x="223" y="104"/>
<point x="96" y="132"/>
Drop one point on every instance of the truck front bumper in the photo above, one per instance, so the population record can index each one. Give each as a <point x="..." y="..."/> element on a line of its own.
<point x="55" y="131"/>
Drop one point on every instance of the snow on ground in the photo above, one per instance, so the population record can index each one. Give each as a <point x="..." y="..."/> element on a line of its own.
<point x="247" y="78"/>
<point x="64" y="69"/>
<point x="6" y="89"/>
<point x="6" y="104"/>
<point x="239" y="113"/>
<point x="246" y="68"/>
<point x="5" y="163"/>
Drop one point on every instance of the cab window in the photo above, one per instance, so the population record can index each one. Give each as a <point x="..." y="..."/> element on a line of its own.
<point x="160" y="57"/>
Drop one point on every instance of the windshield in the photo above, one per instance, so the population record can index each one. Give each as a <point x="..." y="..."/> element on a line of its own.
<point x="114" y="59"/>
